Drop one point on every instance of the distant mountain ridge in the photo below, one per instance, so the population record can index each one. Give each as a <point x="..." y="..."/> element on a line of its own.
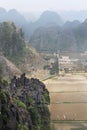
<point x="73" y="15"/>
<point x="72" y="36"/>
<point x="72" y="24"/>
<point x="47" y="18"/>
<point x="12" y="15"/>
<point x="49" y="32"/>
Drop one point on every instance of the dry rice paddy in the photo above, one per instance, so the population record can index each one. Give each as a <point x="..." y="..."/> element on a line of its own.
<point x="68" y="102"/>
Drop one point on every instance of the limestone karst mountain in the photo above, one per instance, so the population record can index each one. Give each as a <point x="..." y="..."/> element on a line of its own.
<point x="24" y="104"/>
<point x="72" y="36"/>
<point x="12" y="15"/>
<point x="15" y="50"/>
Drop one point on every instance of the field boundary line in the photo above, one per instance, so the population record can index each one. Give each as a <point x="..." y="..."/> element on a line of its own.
<point x="69" y="121"/>
<point x="69" y="92"/>
<point x="68" y="102"/>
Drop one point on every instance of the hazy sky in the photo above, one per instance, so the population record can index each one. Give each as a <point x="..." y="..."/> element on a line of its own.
<point x="40" y="5"/>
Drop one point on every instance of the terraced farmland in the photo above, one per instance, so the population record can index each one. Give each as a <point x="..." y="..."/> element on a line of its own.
<point x="68" y="102"/>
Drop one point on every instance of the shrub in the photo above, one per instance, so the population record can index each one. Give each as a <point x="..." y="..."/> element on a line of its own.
<point x="22" y="127"/>
<point x="19" y="103"/>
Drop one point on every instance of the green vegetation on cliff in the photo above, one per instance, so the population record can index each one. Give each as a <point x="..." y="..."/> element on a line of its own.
<point x="11" y="39"/>
<point x="12" y="43"/>
<point x="25" y="106"/>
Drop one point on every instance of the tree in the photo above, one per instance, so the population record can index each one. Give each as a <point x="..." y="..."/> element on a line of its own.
<point x="55" y="68"/>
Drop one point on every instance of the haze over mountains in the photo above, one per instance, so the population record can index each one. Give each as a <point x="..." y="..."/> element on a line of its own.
<point x="12" y="15"/>
<point x="47" y="18"/>
<point x="50" y="32"/>
<point x="66" y="15"/>
<point x="73" y="15"/>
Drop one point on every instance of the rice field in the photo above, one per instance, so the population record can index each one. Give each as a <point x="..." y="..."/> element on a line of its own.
<point x="70" y="126"/>
<point x="68" y="102"/>
<point x="67" y="87"/>
<point x="68" y="111"/>
<point x="68" y="97"/>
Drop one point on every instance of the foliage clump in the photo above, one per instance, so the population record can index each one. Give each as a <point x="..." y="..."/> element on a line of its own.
<point x="19" y="103"/>
<point x="55" y="68"/>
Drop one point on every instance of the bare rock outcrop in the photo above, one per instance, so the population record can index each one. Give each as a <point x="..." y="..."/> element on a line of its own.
<point x="24" y="104"/>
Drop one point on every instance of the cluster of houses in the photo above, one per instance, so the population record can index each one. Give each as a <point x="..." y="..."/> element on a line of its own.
<point x="71" y="61"/>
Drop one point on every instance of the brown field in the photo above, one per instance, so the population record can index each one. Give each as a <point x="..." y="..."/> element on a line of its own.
<point x="68" y="111"/>
<point x="68" y="101"/>
<point x="66" y="87"/>
<point x="67" y="83"/>
<point x="69" y="126"/>
<point x="72" y="97"/>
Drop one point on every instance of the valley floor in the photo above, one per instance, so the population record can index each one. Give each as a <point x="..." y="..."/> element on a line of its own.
<point x="68" y="101"/>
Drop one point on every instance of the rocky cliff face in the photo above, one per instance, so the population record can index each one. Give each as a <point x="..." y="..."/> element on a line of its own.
<point x="53" y="39"/>
<point x="24" y="105"/>
<point x="7" y="68"/>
